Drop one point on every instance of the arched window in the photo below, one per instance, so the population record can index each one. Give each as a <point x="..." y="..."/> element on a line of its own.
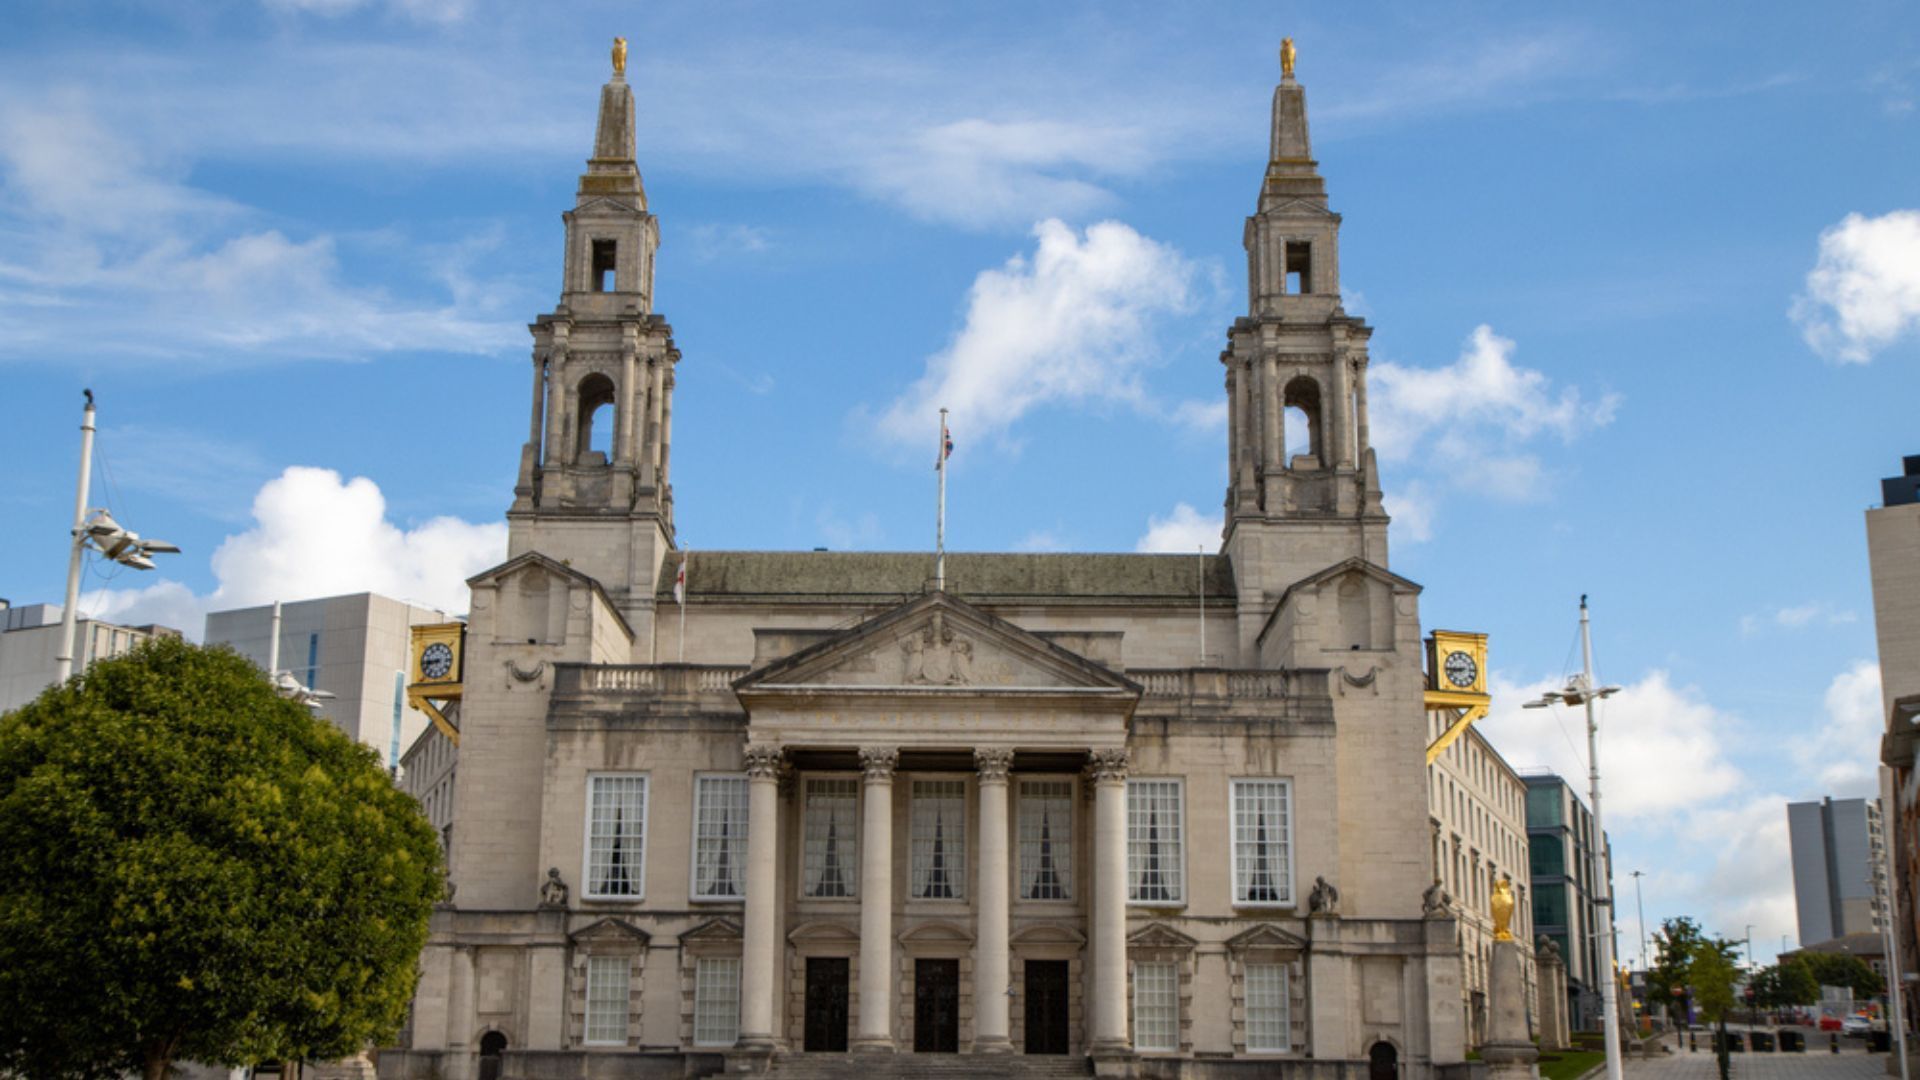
<point x="1302" y="402"/>
<point x="492" y="1045"/>
<point x="595" y="447"/>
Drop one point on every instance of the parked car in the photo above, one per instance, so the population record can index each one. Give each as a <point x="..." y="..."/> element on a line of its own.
<point x="1856" y="1025"/>
<point x="1829" y="1023"/>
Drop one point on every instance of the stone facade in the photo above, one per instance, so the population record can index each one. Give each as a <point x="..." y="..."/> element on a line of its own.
<point x="1478" y="808"/>
<point x="1017" y="814"/>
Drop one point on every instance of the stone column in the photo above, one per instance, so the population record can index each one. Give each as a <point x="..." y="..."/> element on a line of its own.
<point x="875" y="1031"/>
<point x="666" y="425"/>
<point x="991" y="967"/>
<point x="1360" y="400"/>
<point x="656" y="391"/>
<point x="556" y="399"/>
<point x="539" y="402"/>
<point x="1109" y="1010"/>
<point x="760" y="945"/>
<point x="1272" y="414"/>
<point x="631" y="401"/>
<point x="1508" y="1051"/>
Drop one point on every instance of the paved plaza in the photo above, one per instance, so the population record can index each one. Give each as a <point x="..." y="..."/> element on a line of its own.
<point x="1700" y="1066"/>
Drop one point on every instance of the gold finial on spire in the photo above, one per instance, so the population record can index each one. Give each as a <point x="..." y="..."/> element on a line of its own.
<point x="1286" y="58"/>
<point x="619" y="56"/>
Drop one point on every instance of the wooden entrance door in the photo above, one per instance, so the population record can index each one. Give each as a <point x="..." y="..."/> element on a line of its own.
<point x="936" y="1006"/>
<point x="826" y="1004"/>
<point x="1046" y="1006"/>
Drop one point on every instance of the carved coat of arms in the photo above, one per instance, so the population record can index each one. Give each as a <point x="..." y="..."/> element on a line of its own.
<point x="936" y="656"/>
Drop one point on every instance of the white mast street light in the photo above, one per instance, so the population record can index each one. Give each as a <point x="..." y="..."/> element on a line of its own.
<point x="106" y="535"/>
<point x="1581" y="691"/>
<point x="1640" y="905"/>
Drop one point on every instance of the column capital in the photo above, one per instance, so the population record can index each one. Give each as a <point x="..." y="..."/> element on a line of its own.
<point x="764" y="760"/>
<point x="1108" y="766"/>
<point x="879" y="761"/>
<point x="993" y="762"/>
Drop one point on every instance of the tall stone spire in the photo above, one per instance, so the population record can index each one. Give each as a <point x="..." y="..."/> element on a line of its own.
<point x="1291" y="171"/>
<point x="612" y="169"/>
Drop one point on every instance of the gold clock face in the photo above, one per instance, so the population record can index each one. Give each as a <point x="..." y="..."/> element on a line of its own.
<point x="1460" y="669"/>
<point x="436" y="660"/>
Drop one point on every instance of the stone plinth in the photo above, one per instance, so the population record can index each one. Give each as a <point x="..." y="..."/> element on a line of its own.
<point x="1552" y="1006"/>
<point x="1509" y="1051"/>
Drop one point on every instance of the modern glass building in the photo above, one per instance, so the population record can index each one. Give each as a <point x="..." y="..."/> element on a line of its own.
<point x="1565" y="867"/>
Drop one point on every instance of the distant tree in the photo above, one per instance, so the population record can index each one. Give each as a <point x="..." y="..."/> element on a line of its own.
<point x="1713" y="974"/>
<point x="193" y="868"/>
<point x="1844" y="969"/>
<point x="1785" y="984"/>
<point x="1675" y="941"/>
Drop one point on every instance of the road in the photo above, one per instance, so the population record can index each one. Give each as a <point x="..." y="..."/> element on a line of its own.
<point x="1851" y="1062"/>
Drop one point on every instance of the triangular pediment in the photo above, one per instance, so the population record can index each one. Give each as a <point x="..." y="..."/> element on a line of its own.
<point x="1160" y="936"/>
<point x="1266" y="936"/>
<point x="712" y="930"/>
<point x="1353" y="565"/>
<point x="610" y="932"/>
<point x="931" y="644"/>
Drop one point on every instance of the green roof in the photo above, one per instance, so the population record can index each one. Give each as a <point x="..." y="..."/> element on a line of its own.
<point x="975" y="577"/>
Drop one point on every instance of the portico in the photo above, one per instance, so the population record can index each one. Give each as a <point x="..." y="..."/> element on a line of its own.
<point x="936" y="707"/>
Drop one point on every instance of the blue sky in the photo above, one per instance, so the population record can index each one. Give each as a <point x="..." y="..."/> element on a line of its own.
<point x="1646" y="283"/>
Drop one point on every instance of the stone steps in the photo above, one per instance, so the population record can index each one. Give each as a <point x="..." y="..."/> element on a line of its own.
<point x="927" y="1066"/>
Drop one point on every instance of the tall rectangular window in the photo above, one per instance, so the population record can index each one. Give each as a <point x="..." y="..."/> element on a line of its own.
<point x="716" y="1001"/>
<point x="939" y="839"/>
<point x="1156" y="870"/>
<point x="1156" y="1006"/>
<point x="616" y="836"/>
<point x="607" y="992"/>
<point x="1267" y="1026"/>
<point x="1046" y="839"/>
<point x="830" y="859"/>
<point x="313" y="659"/>
<point x="719" y="837"/>
<point x="1262" y="825"/>
<point x="399" y="703"/>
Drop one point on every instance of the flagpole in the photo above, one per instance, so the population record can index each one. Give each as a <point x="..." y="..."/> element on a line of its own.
<point x="940" y="526"/>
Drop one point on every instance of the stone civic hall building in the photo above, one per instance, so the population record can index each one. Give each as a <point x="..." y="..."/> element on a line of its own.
<point x="1011" y="812"/>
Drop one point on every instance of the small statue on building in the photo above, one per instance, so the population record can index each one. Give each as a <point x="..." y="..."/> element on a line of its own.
<point x="1286" y="58"/>
<point x="1324" y="899"/>
<point x="1546" y="948"/>
<point x="553" y="891"/>
<point x="1435" y="900"/>
<point x="1502" y="910"/>
<point x="619" y="56"/>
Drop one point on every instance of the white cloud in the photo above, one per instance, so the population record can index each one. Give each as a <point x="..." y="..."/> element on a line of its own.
<point x="433" y="11"/>
<point x="1750" y="878"/>
<point x="1203" y="417"/>
<point x="105" y="240"/>
<point x="1847" y="748"/>
<point x="1411" y="507"/>
<point x="1796" y="617"/>
<point x="1184" y="532"/>
<point x="980" y="172"/>
<point x="1662" y="747"/>
<point x="316" y="535"/>
<point x="1042" y="540"/>
<point x="714" y="241"/>
<point x="1864" y="293"/>
<point x="1074" y="323"/>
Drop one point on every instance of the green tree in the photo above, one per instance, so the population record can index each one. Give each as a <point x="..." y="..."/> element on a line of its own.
<point x="1844" y="969"/>
<point x="1713" y="974"/>
<point x="1675" y="940"/>
<point x="1785" y="984"/>
<point x="192" y="868"/>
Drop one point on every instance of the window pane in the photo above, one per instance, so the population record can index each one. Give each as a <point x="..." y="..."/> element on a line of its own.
<point x="939" y="839"/>
<point x="831" y="860"/>
<point x="720" y="837"/>
<point x="1261" y="872"/>
<point x="1154" y="836"/>
<point x="1046" y="839"/>
<point x="1156" y="1007"/>
<point x="1267" y="1007"/>
<point x="616" y="836"/>
<point x="607" y="999"/>
<point x="716" y="1001"/>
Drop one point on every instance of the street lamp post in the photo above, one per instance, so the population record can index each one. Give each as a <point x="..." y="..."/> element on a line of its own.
<point x="100" y="531"/>
<point x="1640" y="906"/>
<point x="1582" y="691"/>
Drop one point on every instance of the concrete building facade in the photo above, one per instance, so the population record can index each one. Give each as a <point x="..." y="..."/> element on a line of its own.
<point x="1893" y="550"/>
<point x="1000" y="806"/>
<point x="1832" y="874"/>
<point x="30" y="648"/>
<point x="1566" y="867"/>
<point x="1477" y="805"/>
<point x="354" y="647"/>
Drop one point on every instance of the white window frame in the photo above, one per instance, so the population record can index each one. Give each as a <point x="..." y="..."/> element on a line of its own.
<point x="1140" y="1042"/>
<point x="1285" y="784"/>
<point x="852" y="857"/>
<point x="956" y="861"/>
<point x="638" y="874"/>
<point x="1180" y="803"/>
<point x="625" y="1001"/>
<point x="700" y="781"/>
<point x="702" y="1001"/>
<point x="1064" y="838"/>
<point x="1285" y="1006"/>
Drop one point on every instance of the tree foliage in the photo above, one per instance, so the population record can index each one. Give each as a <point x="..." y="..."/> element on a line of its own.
<point x="192" y="868"/>
<point x="1675" y="942"/>
<point x="1784" y="985"/>
<point x="1843" y="969"/>
<point x="1713" y="974"/>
